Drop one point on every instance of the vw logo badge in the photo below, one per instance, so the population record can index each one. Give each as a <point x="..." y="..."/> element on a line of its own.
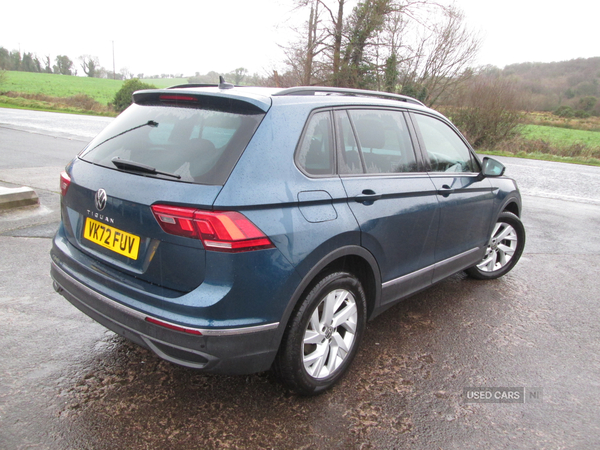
<point x="101" y="199"/>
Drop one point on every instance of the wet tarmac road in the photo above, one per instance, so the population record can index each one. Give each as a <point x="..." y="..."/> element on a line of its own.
<point x="66" y="382"/>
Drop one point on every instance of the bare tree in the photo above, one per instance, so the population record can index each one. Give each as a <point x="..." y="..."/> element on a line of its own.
<point x="126" y="73"/>
<point x="304" y="57"/>
<point x="311" y="43"/>
<point x="416" y="46"/>
<point x="47" y="64"/>
<point x="239" y="74"/>
<point x="63" y="65"/>
<point x="334" y="34"/>
<point x="441" y="57"/>
<point x="90" y="65"/>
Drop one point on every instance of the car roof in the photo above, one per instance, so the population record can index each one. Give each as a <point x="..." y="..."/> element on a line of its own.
<point x="319" y="96"/>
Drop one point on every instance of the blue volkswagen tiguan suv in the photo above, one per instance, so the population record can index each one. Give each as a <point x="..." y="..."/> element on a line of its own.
<point x="235" y="229"/>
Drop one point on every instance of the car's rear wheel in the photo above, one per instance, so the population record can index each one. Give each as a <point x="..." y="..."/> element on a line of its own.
<point x="504" y="248"/>
<point x="323" y="335"/>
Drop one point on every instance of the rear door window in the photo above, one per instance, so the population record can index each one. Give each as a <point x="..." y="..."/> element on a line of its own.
<point x="197" y="145"/>
<point x="375" y="142"/>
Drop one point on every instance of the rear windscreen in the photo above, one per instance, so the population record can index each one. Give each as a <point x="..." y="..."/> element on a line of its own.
<point x="195" y="145"/>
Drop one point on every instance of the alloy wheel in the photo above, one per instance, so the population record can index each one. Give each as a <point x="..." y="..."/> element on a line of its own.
<point x="501" y="248"/>
<point x="330" y="333"/>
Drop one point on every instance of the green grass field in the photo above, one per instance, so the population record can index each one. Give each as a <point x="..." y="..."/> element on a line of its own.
<point x="100" y="89"/>
<point x="560" y="136"/>
<point x="551" y="144"/>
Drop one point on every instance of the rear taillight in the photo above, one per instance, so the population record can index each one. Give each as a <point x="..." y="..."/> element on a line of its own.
<point x="222" y="231"/>
<point x="65" y="182"/>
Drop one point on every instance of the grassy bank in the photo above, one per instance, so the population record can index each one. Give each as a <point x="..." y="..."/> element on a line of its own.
<point x="548" y="119"/>
<point x="64" y="93"/>
<point x="77" y="104"/>
<point x="101" y="90"/>
<point x="546" y="137"/>
<point x="560" y="136"/>
<point x="543" y="157"/>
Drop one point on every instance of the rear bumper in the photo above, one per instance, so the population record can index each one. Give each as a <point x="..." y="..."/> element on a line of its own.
<point x="218" y="350"/>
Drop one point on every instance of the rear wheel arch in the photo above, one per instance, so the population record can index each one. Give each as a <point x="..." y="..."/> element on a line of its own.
<point x="350" y="272"/>
<point x="352" y="259"/>
<point x="361" y="269"/>
<point x="323" y="334"/>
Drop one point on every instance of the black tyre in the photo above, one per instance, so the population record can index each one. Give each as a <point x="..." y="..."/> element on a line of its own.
<point x="323" y="335"/>
<point x="504" y="249"/>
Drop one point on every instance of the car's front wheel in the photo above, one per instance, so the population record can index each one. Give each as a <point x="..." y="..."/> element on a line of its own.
<point x="323" y="335"/>
<point x="504" y="248"/>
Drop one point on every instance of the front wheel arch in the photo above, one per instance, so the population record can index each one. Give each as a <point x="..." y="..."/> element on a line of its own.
<point x="513" y="208"/>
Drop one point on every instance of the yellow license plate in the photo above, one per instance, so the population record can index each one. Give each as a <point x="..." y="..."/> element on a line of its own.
<point x="112" y="238"/>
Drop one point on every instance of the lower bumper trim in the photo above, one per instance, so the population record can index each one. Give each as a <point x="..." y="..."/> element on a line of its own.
<point x="141" y="316"/>
<point x="229" y="351"/>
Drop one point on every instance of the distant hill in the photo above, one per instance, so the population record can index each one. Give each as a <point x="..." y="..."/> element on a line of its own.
<point x="566" y="83"/>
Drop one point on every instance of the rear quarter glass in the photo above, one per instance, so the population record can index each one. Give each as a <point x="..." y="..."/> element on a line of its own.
<point x="197" y="145"/>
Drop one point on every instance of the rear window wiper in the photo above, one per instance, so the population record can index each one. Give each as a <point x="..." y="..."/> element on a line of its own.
<point x="139" y="167"/>
<point x="150" y="123"/>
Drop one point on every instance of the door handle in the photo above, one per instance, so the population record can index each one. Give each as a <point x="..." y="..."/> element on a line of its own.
<point x="367" y="197"/>
<point x="445" y="191"/>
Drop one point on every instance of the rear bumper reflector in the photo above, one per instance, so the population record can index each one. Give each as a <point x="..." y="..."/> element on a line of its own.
<point x="172" y="326"/>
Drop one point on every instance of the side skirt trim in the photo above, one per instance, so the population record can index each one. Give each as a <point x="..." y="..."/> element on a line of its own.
<point x="415" y="281"/>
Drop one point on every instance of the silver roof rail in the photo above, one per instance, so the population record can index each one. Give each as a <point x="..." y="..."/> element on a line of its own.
<point x="313" y="90"/>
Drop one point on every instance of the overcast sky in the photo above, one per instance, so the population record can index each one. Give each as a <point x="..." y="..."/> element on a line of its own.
<point x="185" y="37"/>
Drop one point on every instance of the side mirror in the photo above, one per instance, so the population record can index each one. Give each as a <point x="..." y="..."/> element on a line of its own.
<point x="492" y="168"/>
